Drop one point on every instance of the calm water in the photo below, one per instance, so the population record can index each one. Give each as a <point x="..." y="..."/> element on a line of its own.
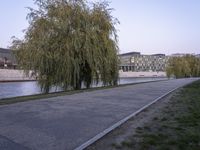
<point x="13" y="89"/>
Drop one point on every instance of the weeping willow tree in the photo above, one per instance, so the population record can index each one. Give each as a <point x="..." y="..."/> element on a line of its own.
<point x="186" y="66"/>
<point x="69" y="43"/>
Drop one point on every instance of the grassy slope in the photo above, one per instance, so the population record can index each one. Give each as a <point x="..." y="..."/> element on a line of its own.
<point x="177" y="127"/>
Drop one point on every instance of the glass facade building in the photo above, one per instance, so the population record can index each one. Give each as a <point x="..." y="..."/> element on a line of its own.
<point x="136" y="62"/>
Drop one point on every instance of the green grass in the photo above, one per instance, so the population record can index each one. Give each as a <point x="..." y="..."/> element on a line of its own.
<point x="176" y="128"/>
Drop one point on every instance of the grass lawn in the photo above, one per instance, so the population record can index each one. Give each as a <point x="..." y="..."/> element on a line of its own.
<point x="177" y="127"/>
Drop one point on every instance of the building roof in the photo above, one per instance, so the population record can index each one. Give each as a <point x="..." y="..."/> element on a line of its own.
<point x="4" y="50"/>
<point x="138" y="53"/>
<point x="130" y="53"/>
<point x="158" y="55"/>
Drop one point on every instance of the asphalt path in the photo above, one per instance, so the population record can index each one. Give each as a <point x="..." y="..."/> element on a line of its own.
<point x="66" y="122"/>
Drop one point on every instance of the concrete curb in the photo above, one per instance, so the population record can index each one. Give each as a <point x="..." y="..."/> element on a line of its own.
<point x="106" y="131"/>
<point x="28" y="80"/>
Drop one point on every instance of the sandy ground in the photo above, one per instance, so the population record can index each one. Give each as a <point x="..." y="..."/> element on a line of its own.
<point x="128" y="129"/>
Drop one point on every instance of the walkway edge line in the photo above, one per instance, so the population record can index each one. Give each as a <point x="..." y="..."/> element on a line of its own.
<point x="111" y="128"/>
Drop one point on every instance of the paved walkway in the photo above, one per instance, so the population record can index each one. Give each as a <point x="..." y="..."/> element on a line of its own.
<point x="64" y="123"/>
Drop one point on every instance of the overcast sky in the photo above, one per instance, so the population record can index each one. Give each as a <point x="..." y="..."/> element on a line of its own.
<point x="146" y="26"/>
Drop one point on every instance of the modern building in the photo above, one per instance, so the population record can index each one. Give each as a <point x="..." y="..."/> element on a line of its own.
<point x="7" y="59"/>
<point x="136" y="62"/>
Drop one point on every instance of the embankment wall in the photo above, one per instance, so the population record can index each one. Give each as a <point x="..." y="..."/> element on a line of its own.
<point x="13" y="75"/>
<point x="141" y="74"/>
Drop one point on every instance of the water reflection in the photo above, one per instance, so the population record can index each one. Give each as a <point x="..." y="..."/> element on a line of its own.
<point x="13" y="89"/>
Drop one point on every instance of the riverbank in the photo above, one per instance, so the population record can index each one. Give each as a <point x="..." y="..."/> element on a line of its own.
<point x="16" y="91"/>
<point x="26" y="80"/>
<point x="14" y="75"/>
<point x="6" y="101"/>
<point x="172" y="123"/>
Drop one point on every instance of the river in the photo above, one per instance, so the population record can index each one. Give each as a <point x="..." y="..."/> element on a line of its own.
<point x="13" y="89"/>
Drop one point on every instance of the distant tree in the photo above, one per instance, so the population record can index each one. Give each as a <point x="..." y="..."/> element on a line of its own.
<point x="185" y="66"/>
<point x="70" y="42"/>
